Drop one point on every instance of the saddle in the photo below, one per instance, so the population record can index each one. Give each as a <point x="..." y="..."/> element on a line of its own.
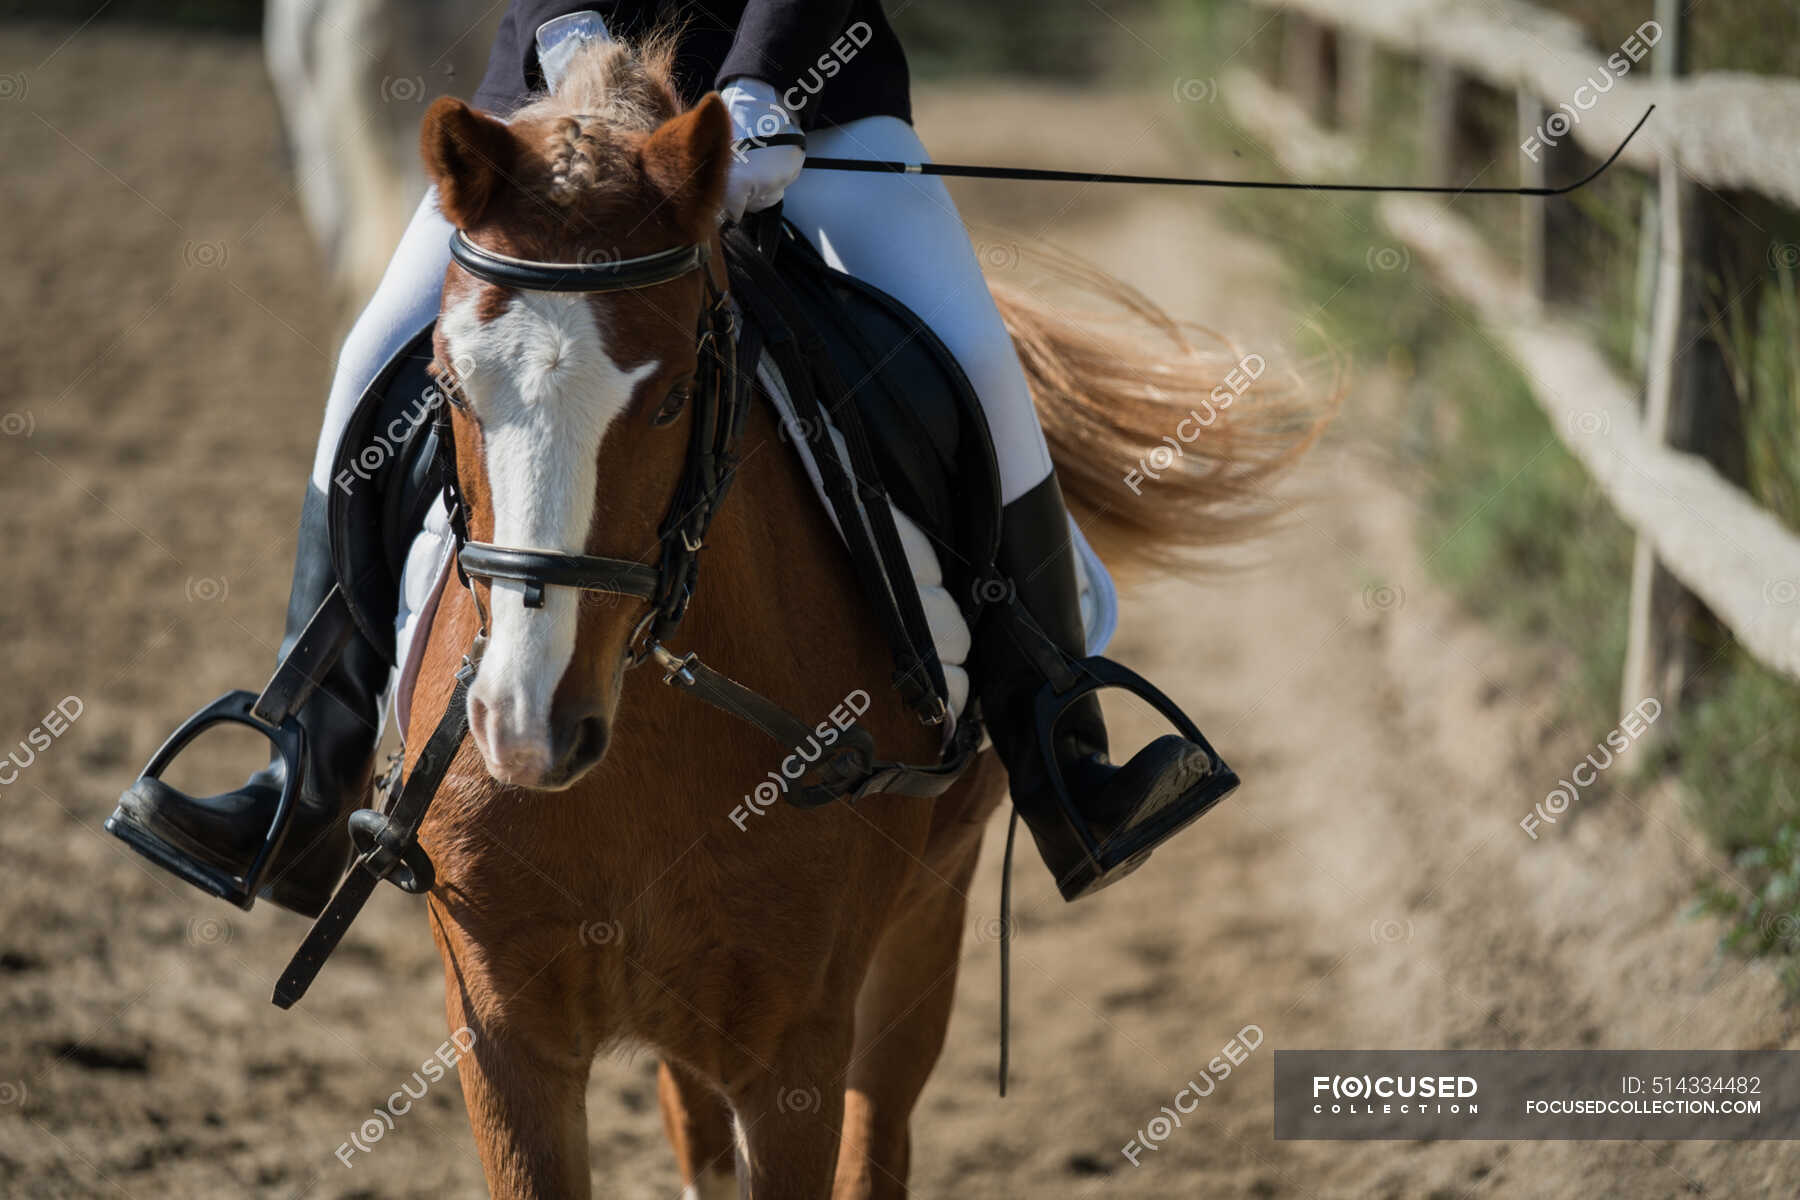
<point x="928" y="443"/>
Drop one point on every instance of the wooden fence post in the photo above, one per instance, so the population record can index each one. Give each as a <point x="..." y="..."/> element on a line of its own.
<point x="1533" y="250"/>
<point x="1659" y="646"/>
<point x="1437" y="121"/>
<point x="1307" y="66"/>
<point x="1356" y="82"/>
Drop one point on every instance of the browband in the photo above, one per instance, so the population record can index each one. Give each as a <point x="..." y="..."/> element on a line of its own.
<point x="530" y="275"/>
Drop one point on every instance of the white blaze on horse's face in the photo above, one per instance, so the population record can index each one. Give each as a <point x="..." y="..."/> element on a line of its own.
<point x="545" y="391"/>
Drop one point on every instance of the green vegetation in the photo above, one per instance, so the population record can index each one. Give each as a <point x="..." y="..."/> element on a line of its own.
<point x="1762" y="36"/>
<point x="1513" y="523"/>
<point x="1762" y="349"/>
<point x="1741" y="760"/>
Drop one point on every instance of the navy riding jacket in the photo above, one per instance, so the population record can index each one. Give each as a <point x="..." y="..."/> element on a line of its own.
<point x="832" y="61"/>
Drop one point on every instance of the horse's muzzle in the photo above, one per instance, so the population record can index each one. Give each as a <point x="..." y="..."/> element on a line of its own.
<point x="545" y="759"/>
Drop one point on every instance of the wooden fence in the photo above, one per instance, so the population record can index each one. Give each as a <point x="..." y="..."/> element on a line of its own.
<point x="1661" y="452"/>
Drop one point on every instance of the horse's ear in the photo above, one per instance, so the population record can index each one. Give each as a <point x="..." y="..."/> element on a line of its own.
<point x="468" y="154"/>
<point x="686" y="159"/>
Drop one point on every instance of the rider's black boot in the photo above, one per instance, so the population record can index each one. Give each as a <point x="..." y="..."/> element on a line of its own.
<point x="1094" y="822"/>
<point x="341" y="720"/>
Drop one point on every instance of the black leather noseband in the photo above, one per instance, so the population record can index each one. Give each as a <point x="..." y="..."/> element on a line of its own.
<point x="719" y="402"/>
<point x="537" y="569"/>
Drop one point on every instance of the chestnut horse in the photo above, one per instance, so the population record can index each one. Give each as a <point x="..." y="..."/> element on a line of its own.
<point x="794" y="975"/>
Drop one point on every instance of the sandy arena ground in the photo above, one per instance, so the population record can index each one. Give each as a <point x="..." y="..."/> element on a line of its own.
<point x="168" y="341"/>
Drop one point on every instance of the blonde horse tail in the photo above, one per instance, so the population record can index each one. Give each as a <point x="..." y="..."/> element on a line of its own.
<point x="1164" y="448"/>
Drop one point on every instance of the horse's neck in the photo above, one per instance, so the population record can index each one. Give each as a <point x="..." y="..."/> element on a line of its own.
<point x="778" y="600"/>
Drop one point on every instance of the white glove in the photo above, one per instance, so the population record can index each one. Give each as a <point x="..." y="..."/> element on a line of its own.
<point x="560" y="39"/>
<point x="758" y="177"/>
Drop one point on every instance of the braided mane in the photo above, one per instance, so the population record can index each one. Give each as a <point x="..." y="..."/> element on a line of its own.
<point x="611" y="88"/>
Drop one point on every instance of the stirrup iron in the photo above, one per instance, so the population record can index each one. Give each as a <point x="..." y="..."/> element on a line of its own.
<point x="1091" y="675"/>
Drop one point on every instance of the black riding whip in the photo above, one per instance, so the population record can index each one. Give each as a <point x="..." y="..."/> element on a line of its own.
<point x="963" y="171"/>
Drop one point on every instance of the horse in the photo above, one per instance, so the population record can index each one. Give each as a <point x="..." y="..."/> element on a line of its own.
<point x="350" y="79"/>
<point x="793" y="973"/>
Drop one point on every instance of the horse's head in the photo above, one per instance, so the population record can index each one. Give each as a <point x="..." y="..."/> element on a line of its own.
<point x="571" y="424"/>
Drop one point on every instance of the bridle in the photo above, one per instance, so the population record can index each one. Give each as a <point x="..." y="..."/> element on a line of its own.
<point x="720" y="400"/>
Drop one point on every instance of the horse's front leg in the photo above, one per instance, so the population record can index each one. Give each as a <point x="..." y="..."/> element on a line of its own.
<point x="524" y="1078"/>
<point x="792" y="1115"/>
<point x="698" y="1122"/>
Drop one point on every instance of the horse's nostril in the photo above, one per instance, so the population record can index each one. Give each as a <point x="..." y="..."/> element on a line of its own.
<point x="586" y="744"/>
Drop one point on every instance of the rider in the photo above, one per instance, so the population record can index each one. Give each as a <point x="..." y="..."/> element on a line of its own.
<point x="835" y="70"/>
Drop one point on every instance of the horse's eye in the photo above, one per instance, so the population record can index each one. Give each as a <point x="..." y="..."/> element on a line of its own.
<point x="673" y="403"/>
